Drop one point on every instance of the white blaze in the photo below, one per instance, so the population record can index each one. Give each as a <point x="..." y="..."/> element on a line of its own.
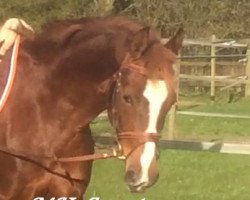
<point x="156" y="93"/>
<point x="146" y="159"/>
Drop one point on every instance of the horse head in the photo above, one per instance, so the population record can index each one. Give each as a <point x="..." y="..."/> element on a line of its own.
<point x="143" y="94"/>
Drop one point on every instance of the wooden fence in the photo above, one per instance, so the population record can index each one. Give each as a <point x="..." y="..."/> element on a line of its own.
<point x="214" y="44"/>
<point x="227" y="80"/>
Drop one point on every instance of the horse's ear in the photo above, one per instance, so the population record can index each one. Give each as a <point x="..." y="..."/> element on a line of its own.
<point x="139" y="42"/>
<point x="175" y="43"/>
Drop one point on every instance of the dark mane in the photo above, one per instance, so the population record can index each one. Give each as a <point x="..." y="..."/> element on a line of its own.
<point x="90" y="25"/>
<point x="57" y="36"/>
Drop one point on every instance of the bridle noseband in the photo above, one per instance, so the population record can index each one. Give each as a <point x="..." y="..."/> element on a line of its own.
<point x="142" y="138"/>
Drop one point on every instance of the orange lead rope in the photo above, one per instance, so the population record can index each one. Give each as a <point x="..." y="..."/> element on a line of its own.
<point x="12" y="74"/>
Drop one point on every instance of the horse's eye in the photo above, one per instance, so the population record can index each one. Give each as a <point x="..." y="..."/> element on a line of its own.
<point x="128" y="99"/>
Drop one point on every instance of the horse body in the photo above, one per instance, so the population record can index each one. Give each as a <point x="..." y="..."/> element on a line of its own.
<point x="64" y="80"/>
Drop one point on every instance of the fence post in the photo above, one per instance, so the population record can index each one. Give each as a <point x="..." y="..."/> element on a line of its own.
<point x="171" y="122"/>
<point x="213" y="67"/>
<point x="247" y="89"/>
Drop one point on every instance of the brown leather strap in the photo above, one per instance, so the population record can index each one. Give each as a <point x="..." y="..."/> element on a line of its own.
<point x="96" y="156"/>
<point x="128" y="63"/>
<point x="41" y="165"/>
<point x="141" y="139"/>
<point x="136" y="68"/>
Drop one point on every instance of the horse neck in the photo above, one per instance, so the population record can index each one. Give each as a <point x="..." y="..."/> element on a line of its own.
<point x="77" y="81"/>
<point x="83" y="80"/>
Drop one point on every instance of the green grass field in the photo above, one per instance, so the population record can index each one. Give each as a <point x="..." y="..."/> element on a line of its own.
<point x="183" y="176"/>
<point x="208" y="128"/>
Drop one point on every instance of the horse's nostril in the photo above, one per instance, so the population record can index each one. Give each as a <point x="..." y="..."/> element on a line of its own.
<point x="130" y="177"/>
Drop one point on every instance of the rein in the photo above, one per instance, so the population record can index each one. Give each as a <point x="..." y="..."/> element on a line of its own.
<point x="56" y="161"/>
<point x="95" y="156"/>
<point x="41" y="165"/>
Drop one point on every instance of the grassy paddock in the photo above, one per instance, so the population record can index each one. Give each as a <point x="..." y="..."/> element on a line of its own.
<point x="183" y="176"/>
<point x="196" y="127"/>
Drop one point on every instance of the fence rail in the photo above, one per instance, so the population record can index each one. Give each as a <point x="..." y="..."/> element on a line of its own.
<point x="220" y="115"/>
<point x="207" y="63"/>
<point x="207" y="42"/>
<point x="209" y="56"/>
<point x="225" y="79"/>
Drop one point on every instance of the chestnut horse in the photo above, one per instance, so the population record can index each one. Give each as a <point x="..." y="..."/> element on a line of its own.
<point x="67" y="75"/>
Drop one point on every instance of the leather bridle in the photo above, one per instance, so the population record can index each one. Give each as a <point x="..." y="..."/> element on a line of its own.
<point x="128" y="136"/>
